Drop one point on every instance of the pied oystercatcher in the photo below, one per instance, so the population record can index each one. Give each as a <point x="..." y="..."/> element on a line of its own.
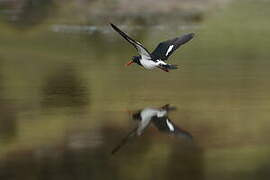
<point x="159" y="117"/>
<point x="159" y="55"/>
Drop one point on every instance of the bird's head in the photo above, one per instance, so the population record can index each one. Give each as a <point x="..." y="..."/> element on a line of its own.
<point x="135" y="59"/>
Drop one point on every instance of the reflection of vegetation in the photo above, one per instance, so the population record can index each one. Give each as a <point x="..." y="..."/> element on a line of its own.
<point x="26" y="13"/>
<point x="191" y="163"/>
<point x="146" y="159"/>
<point x="65" y="89"/>
<point x="8" y="124"/>
<point x="262" y="172"/>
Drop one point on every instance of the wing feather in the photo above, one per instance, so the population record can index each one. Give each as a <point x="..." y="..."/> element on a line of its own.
<point x="164" y="124"/>
<point x="141" y="50"/>
<point x="166" y="48"/>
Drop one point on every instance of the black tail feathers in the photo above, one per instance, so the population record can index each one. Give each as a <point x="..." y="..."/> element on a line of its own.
<point x="172" y="66"/>
<point x="167" y="67"/>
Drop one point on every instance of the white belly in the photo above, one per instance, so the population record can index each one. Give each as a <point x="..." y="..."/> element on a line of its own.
<point x="148" y="64"/>
<point x="147" y="115"/>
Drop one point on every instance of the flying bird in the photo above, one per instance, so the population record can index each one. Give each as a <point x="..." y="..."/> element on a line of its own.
<point x="157" y="116"/>
<point x="157" y="58"/>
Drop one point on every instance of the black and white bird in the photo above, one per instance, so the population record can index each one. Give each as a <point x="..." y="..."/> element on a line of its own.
<point x="157" y="116"/>
<point x="157" y="58"/>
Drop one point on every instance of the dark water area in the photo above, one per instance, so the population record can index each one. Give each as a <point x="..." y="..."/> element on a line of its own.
<point x="67" y="100"/>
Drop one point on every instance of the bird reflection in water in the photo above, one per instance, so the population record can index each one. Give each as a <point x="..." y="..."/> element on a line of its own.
<point x="158" y="117"/>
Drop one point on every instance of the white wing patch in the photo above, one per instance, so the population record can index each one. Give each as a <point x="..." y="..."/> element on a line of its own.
<point x="169" y="49"/>
<point x="160" y="62"/>
<point x="170" y="125"/>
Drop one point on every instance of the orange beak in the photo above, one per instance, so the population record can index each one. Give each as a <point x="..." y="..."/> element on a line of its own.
<point x="129" y="63"/>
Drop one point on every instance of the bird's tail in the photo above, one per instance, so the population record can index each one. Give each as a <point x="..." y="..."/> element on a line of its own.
<point x="167" y="67"/>
<point x="172" y="66"/>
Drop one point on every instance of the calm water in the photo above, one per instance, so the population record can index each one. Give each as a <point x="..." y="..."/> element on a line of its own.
<point x="66" y="100"/>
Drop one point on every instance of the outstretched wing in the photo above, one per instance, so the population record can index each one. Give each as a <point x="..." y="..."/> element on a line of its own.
<point x="166" y="48"/>
<point x="124" y="141"/>
<point x="164" y="124"/>
<point x="141" y="50"/>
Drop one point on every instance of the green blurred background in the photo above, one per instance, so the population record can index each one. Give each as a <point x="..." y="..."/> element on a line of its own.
<point x="65" y="94"/>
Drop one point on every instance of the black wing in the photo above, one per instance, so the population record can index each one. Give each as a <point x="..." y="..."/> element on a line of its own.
<point x="166" y="48"/>
<point x="163" y="124"/>
<point x="141" y="50"/>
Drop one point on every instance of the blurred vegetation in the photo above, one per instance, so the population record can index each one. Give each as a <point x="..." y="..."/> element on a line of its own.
<point x="24" y="14"/>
